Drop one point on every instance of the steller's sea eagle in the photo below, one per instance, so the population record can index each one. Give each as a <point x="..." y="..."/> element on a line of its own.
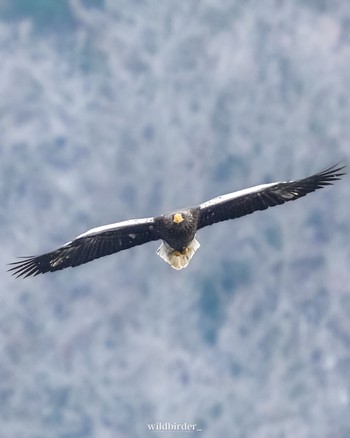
<point x="177" y="230"/>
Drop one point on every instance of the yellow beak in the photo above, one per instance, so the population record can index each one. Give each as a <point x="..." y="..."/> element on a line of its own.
<point x="178" y="218"/>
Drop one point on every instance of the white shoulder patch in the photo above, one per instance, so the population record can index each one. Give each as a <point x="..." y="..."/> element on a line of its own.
<point x="230" y="196"/>
<point x="117" y="226"/>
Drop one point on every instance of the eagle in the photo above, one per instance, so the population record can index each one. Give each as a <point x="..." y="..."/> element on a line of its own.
<point x="177" y="230"/>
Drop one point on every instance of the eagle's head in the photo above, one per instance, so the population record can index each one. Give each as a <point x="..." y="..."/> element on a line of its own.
<point x="178" y="219"/>
<point x="182" y="219"/>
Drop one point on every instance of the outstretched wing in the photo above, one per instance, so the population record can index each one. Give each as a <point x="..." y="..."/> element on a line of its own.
<point x="95" y="243"/>
<point x="237" y="204"/>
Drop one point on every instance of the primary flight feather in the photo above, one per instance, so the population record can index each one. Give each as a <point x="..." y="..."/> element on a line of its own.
<point x="177" y="230"/>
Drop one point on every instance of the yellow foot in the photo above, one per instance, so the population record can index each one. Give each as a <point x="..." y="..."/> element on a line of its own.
<point x="178" y="253"/>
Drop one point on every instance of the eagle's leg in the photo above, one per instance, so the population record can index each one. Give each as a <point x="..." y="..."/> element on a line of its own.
<point x="180" y="253"/>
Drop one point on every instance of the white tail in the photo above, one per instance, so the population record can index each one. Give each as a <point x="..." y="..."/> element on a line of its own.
<point x="176" y="259"/>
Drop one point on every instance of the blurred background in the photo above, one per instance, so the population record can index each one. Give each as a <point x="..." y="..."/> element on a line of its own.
<point x="111" y="110"/>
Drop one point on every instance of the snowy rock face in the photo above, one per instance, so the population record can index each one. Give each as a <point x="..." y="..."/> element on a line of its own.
<point x="124" y="109"/>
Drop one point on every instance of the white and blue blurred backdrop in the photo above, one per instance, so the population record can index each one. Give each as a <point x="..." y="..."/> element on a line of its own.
<point x="111" y="110"/>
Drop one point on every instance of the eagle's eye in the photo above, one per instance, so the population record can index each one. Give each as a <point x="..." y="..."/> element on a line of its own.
<point x="177" y="218"/>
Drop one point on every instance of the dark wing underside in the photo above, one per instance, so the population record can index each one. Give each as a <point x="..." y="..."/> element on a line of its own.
<point x="91" y="245"/>
<point x="237" y="204"/>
